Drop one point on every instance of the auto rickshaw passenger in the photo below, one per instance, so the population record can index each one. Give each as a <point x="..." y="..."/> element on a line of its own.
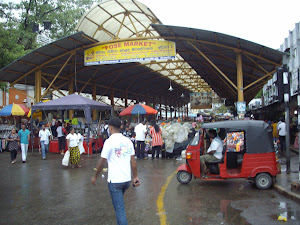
<point x="214" y="151"/>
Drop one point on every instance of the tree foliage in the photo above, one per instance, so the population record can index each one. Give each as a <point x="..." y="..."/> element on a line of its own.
<point x="222" y="109"/>
<point x="3" y="86"/>
<point x="18" y="19"/>
<point x="259" y="94"/>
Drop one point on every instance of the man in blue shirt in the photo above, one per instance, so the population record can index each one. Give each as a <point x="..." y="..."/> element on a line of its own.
<point x="24" y="135"/>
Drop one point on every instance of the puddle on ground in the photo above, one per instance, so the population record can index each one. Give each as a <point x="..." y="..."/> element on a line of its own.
<point x="232" y="215"/>
<point x="287" y="212"/>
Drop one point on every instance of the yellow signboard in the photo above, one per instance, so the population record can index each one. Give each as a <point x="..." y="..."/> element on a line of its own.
<point x="129" y="51"/>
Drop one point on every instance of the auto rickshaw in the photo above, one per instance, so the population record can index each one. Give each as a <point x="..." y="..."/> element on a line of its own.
<point x="248" y="152"/>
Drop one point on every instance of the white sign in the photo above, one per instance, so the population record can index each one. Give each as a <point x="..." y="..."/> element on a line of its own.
<point x="241" y="107"/>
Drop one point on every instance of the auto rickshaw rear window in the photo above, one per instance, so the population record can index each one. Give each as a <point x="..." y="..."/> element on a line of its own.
<point x="235" y="141"/>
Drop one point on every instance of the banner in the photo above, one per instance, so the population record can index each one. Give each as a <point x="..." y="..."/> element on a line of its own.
<point x="129" y="51"/>
<point x="201" y="100"/>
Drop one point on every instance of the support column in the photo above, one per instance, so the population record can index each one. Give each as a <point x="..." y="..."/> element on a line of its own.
<point x="71" y="91"/>
<point x="112" y="102"/>
<point x="38" y="85"/>
<point x="239" y="69"/>
<point x="147" y="99"/>
<point x="126" y="98"/>
<point x="94" y="94"/>
<point x="187" y="110"/>
<point x="166" y="109"/>
<point x="170" y="109"/>
<point x="160" y="115"/>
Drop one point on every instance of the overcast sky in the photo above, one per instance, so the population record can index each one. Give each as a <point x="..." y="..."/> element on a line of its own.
<point x="266" y="22"/>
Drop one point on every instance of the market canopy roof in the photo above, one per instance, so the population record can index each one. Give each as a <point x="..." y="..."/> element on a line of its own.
<point x="197" y="47"/>
<point x="129" y="19"/>
<point x="70" y="102"/>
<point x="62" y="61"/>
<point x="58" y="57"/>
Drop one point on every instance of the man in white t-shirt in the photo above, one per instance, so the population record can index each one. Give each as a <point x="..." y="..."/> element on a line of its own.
<point x="118" y="151"/>
<point x="44" y="136"/>
<point x="281" y="128"/>
<point x="214" y="151"/>
<point x="140" y="131"/>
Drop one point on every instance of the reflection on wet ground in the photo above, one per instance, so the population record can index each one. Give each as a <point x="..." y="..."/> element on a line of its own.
<point x="43" y="192"/>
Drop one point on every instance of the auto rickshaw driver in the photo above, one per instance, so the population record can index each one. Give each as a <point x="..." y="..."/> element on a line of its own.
<point x="214" y="152"/>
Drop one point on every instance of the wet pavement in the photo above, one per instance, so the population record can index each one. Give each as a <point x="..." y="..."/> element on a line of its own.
<point x="44" y="192"/>
<point x="284" y="180"/>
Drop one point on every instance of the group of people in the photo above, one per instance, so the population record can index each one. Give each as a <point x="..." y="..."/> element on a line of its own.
<point x="279" y="133"/>
<point x="140" y="133"/>
<point x="118" y="152"/>
<point x="20" y="141"/>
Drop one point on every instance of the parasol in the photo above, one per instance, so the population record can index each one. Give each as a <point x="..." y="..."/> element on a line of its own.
<point x="138" y="109"/>
<point x="14" y="110"/>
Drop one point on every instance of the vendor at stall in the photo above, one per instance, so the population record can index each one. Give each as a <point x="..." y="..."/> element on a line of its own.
<point x="61" y="132"/>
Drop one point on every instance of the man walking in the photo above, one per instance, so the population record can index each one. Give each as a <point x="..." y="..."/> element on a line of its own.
<point x="24" y="135"/>
<point x="44" y="135"/>
<point x="118" y="151"/>
<point x="281" y="127"/>
<point x="140" y="131"/>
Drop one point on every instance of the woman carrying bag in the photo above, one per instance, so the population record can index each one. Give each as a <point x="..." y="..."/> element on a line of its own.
<point x="13" y="144"/>
<point x="155" y="134"/>
<point x="72" y="140"/>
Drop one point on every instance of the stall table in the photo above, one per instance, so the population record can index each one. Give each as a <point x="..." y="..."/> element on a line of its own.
<point x="36" y="143"/>
<point x="53" y="147"/>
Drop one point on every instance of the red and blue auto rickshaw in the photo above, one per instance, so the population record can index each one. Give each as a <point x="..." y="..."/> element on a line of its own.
<point x="248" y="152"/>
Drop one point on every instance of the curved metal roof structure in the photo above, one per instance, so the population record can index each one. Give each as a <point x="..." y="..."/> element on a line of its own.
<point x="122" y="19"/>
<point x="213" y="56"/>
<point x="62" y="60"/>
<point x="205" y="60"/>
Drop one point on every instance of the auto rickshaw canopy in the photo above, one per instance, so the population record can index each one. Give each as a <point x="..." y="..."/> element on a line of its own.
<point x="258" y="134"/>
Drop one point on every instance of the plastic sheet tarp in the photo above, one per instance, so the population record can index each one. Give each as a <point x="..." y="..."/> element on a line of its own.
<point x="175" y="133"/>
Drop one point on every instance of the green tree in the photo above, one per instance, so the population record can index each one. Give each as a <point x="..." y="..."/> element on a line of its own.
<point x="222" y="109"/>
<point x="3" y="86"/>
<point x="18" y="19"/>
<point x="259" y="94"/>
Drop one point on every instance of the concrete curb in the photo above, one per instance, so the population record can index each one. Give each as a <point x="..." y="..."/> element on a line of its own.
<point x="294" y="150"/>
<point x="289" y="194"/>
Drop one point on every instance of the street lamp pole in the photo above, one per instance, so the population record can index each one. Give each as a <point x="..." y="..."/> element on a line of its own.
<point x="286" y="98"/>
<point x="298" y="99"/>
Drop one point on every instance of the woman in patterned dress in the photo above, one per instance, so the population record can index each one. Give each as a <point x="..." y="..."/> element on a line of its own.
<point x="72" y="140"/>
<point x="13" y="145"/>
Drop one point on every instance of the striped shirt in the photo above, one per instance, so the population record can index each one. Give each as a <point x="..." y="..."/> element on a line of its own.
<point x="156" y="137"/>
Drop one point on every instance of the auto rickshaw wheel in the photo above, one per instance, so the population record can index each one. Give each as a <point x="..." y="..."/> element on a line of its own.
<point x="263" y="181"/>
<point x="184" y="177"/>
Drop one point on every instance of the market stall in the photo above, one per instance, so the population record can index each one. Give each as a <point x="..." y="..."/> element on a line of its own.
<point x="74" y="102"/>
<point x="10" y="112"/>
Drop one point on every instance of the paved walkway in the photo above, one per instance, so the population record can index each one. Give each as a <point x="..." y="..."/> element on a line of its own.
<point x="44" y="192"/>
<point x="284" y="180"/>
